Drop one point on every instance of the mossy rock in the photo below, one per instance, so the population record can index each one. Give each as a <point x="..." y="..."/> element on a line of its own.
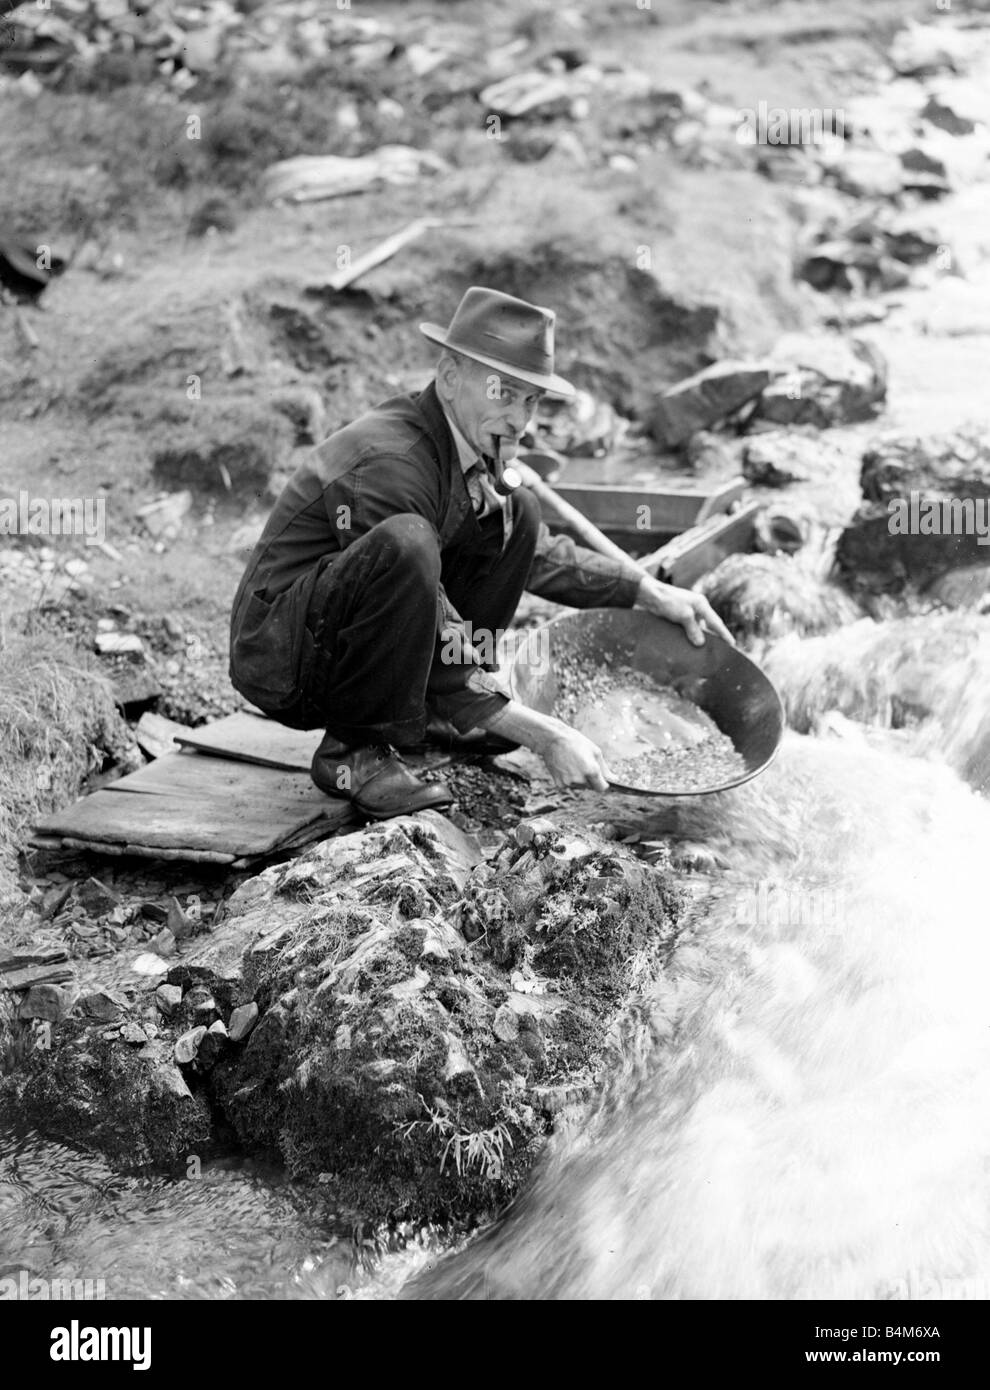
<point x="406" y="1067"/>
<point x="97" y="1092"/>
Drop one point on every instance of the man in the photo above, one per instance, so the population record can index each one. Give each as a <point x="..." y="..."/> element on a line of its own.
<point x="392" y="539"/>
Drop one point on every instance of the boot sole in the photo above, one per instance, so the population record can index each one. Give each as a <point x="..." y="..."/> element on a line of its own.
<point x="375" y="814"/>
<point x="406" y="811"/>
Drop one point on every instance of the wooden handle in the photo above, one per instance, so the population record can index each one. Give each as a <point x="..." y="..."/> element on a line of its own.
<point x="576" y="521"/>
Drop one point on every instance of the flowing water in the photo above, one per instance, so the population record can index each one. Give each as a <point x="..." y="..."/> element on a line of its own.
<point x="814" y="1120"/>
<point x="235" y="1230"/>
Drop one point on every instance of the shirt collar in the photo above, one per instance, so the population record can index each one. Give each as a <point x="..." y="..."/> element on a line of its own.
<point x="467" y="457"/>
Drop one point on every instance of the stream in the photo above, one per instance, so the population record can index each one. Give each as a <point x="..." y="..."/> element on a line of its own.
<point x="814" y="1120"/>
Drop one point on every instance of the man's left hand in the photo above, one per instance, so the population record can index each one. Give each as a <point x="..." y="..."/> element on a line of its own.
<point x="684" y="606"/>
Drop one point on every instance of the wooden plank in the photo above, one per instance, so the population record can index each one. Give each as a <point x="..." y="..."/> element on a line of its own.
<point x="123" y="851"/>
<point x="242" y="794"/>
<point x="384" y="251"/>
<point x="308" y="835"/>
<point x="617" y="508"/>
<point x="220" y="810"/>
<point x="687" y="557"/>
<point x="249" y="738"/>
<point x="156" y="734"/>
<point x="723" y="499"/>
<point x="667" y="512"/>
<point x="198" y="774"/>
<point x="571" y="518"/>
<point x="224" y="824"/>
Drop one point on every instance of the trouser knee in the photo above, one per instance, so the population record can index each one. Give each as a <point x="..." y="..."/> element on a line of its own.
<point x="408" y="545"/>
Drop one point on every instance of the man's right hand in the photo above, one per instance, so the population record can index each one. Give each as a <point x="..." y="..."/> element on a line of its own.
<point x="572" y="760"/>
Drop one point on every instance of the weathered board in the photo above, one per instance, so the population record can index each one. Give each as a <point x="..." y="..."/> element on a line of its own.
<point x="201" y="820"/>
<point x="156" y="734"/>
<point x="195" y="774"/>
<point x="239" y="793"/>
<point x="687" y="557"/>
<point x="639" y="510"/>
<point x="253" y="739"/>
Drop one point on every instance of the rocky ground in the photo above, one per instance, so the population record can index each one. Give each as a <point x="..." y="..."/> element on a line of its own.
<point x="814" y="314"/>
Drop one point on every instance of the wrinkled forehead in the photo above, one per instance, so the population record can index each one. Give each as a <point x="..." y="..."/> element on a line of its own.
<point x="485" y="375"/>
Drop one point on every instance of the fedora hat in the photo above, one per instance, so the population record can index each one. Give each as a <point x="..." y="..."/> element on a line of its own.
<point x="507" y="334"/>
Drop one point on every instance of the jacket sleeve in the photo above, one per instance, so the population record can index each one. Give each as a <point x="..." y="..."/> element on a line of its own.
<point x="570" y="574"/>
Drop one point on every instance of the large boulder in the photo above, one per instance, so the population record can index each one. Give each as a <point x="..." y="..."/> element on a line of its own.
<point x="880" y="552"/>
<point x="423" y="1014"/>
<point x="925" y="511"/>
<point x="703" y="399"/>
<point x="822" y="380"/>
<point x="956" y="464"/>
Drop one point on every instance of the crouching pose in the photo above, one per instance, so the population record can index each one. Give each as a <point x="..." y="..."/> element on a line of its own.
<point x="393" y="546"/>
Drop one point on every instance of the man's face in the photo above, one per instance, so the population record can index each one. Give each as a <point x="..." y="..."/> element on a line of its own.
<point x="490" y="410"/>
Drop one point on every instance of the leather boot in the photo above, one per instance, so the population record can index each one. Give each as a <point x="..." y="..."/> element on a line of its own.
<point x="374" y="779"/>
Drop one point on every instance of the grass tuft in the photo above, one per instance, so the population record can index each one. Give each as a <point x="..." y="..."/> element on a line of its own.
<point x="58" y="724"/>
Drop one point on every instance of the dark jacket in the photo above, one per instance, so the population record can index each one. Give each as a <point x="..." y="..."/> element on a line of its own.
<point x="399" y="457"/>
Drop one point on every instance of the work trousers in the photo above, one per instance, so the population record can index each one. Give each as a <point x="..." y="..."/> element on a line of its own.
<point x="379" y="647"/>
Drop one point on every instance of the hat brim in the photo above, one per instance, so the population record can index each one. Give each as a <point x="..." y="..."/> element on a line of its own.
<point x="553" y="384"/>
